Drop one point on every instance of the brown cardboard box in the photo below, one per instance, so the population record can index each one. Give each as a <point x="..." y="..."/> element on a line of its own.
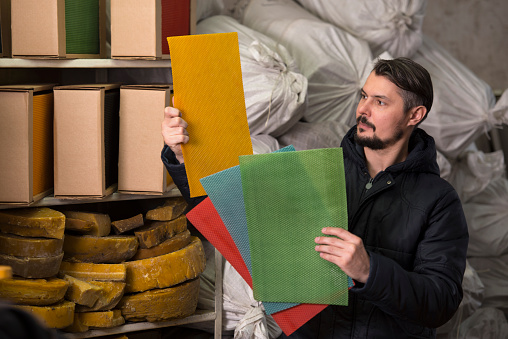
<point x="136" y="29"/>
<point x="38" y="28"/>
<point x="5" y="28"/>
<point x="86" y="140"/>
<point x="140" y="169"/>
<point x="26" y="143"/>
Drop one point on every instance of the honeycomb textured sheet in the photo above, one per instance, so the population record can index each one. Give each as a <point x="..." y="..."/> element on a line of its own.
<point x="208" y="87"/>
<point x="207" y="221"/>
<point x="225" y="190"/>
<point x="289" y="197"/>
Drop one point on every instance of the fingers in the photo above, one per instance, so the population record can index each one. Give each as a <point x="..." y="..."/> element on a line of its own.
<point x="339" y="232"/>
<point x="171" y="112"/>
<point x="346" y="250"/>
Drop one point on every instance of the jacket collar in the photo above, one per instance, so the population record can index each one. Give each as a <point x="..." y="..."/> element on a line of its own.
<point x="421" y="157"/>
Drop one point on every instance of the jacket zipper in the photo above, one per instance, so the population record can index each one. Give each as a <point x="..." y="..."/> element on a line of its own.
<point x="368" y="185"/>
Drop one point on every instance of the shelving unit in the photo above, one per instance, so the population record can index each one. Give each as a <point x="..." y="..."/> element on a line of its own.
<point x="100" y="67"/>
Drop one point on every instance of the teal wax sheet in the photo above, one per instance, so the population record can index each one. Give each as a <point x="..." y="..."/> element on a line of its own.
<point x="224" y="189"/>
<point x="289" y="197"/>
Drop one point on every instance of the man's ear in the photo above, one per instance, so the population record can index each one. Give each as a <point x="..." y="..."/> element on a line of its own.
<point x="416" y="115"/>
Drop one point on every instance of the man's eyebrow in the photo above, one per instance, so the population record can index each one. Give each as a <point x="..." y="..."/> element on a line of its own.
<point x="379" y="96"/>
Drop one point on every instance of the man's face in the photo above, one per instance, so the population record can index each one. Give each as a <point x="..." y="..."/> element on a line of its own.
<point x="380" y="117"/>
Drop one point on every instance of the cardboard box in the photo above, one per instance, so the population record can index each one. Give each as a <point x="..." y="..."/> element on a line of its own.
<point x="86" y="140"/>
<point x="136" y="29"/>
<point x="178" y="18"/>
<point x="140" y="169"/>
<point x="26" y="143"/>
<point x="38" y="28"/>
<point x="5" y="28"/>
<point x="85" y="29"/>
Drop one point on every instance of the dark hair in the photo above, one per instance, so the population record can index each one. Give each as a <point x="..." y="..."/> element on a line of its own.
<point x="412" y="78"/>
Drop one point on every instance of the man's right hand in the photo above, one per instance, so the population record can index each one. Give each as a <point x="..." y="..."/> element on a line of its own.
<point x="174" y="131"/>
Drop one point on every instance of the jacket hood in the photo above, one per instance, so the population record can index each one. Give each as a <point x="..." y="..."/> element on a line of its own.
<point x="421" y="157"/>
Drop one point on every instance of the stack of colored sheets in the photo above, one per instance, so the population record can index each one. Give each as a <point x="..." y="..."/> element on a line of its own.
<point x="263" y="211"/>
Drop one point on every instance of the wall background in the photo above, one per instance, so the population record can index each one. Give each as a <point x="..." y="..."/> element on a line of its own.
<point x="475" y="32"/>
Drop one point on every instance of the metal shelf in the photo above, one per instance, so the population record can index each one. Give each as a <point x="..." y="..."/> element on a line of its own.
<point x="50" y="200"/>
<point x="199" y="316"/>
<point x="83" y="63"/>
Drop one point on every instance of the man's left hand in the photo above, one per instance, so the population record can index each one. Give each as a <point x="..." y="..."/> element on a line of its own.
<point x="345" y="250"/>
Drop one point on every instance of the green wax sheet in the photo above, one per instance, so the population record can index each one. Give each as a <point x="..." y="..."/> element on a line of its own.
<point x="289" y="197"/>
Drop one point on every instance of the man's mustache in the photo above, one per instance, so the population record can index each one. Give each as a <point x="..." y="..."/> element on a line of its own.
<point x="364" y="120"/>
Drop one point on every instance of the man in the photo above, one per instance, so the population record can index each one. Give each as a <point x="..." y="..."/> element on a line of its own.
<point x="407" y="239"/>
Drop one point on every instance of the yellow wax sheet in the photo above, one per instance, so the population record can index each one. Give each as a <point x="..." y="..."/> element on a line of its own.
<point x="208" y="88"/>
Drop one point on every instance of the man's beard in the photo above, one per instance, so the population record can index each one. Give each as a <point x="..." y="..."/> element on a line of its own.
<point x="374" y="142"/>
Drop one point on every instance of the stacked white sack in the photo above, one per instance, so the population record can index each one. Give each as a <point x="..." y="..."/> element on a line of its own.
<point x="445" y="167"/>
<point x="474" y="170"/>
<point x="264" y="143"/>
<point x="464" y="105"/>
<point x="335" y="62"/>
<point x="314" y="135"/>
<point x="493" y="272"/>
<point x="208" y="8"/>
<point x="242" y="316"/>
<point x="487" y="220"/>
<point x="275" y="90"/>
<point x="484" y="323"/>
<point x="387" y="25"/>
<point x="471" y="301"/>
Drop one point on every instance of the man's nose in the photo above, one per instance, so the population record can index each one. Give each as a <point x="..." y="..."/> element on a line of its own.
<point x="363" y="107"/>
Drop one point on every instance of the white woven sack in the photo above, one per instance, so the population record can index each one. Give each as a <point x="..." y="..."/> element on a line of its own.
<point x="485" y="323"/>
<point x="208" y="8"/>
<point x="464" y="105"/>
<point x="335" y="62"/>
<point x="264" y="143"/>
<point x="275" y="90"/>
<point x="242" y="316"/>
<point x="388" y="25"/>
<point x="493" y="272"/>
<point x="474" y="170"/>
<point x="487" y="220"/>
<point x="472" y="300"/>
<point x="314" y="135"/>
<point x="445" y="167"/>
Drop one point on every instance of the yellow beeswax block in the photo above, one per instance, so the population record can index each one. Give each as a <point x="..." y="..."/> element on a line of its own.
<point x="81" y="292"/>
<point x="111" y="293"/>
<point x="58" y="315"/>
<point x="101" y="223"/>
<point x="33" y="222"/>
<point x="19" y="246"/>
<point x="37" y="292"/>
<point x="99" y="250"/>
<point x="33" y="267"/>
<point x="171" y="209"/>
<point x="156" y="232"/>
<point x="76" y="326"/>
<point x="102" y="319"/>
<point x="89" y="271"/>
<point x="161" y="304"/>
<point x="5" y="272"/>
<point x="124" y="225"/>
<point x="172" y="244"/>
<point x="166" y="270"/>
<point x="78" y="225"/>
<point x="208" y="88"/>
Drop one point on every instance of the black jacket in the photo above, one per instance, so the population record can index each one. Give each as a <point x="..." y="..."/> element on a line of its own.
<point x="413" y="226"/>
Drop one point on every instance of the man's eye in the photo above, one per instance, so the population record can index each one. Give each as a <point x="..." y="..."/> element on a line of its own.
<point x="363" y="96"/>
<point x="380" y="103"/>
